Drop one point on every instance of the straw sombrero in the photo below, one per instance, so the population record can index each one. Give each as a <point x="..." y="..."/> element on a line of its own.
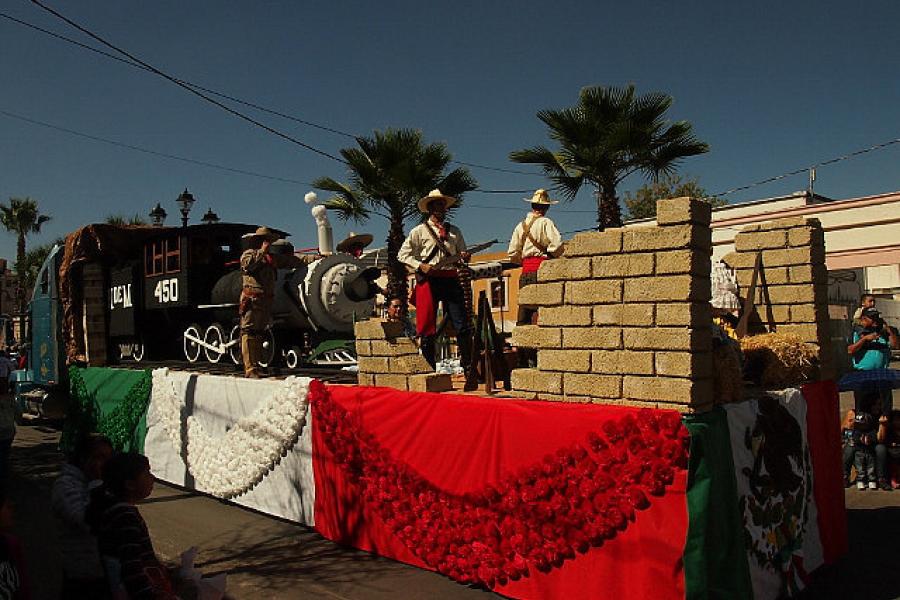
<point x="263" y="232"/>
<point x="541" y="197"/>
<point x="435" y="195"/>
<point x="354" y="239"/>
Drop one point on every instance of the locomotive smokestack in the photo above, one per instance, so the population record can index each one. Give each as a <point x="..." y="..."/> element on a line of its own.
<point x="320" y="214"/>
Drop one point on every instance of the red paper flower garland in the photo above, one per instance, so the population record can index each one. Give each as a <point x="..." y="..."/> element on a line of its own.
<point x="534" y="519"/>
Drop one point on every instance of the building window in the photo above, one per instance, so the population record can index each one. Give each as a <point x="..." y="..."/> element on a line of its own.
<point x="154" y="257"/>
<point x="173" y="255"/>
<point x="498" y="296"/>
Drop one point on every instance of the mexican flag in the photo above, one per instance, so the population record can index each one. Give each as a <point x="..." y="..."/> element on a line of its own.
<point x="547" y="500"/>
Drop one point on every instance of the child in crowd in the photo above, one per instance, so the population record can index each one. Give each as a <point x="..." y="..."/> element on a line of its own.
<point x="83" y="575"/>
<point x="13" y="578"/>
<point x="849" y="450"/>
<point x="864" y="450"/>
<point x="125" y="546"/>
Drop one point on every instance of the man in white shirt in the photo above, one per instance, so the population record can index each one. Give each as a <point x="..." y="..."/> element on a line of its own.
<point x="533" y="241"/>
<point x="433" y="250"/>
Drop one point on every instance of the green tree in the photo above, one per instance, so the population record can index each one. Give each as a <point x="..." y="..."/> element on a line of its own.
<point x="610" y="134"/>
<point x="21" y="217"/>
<point x="642" y="203"/>
<point x="122" y="220"/>
<point x="388" y="174"/>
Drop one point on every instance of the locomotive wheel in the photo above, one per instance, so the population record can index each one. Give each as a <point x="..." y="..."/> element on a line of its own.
<point x="292" y="357"/>
<point x="234" y="351"/>
<point x="268" y="357"/>
<point x="214" y="336"/>
<point x="192" y="347"/>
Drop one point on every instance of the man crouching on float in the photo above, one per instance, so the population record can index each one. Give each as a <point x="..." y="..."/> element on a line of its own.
<point x="432" y="250"/>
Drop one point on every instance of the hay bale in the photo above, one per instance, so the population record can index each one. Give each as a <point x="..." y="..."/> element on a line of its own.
<point x="778" y="360"/>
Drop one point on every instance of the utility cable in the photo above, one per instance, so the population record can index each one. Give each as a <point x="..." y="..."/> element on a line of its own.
<point x="230" y="97"/>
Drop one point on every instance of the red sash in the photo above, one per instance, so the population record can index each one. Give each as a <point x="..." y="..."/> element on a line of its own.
<point x="530" y="264"/>
<point x="426" y="308"/>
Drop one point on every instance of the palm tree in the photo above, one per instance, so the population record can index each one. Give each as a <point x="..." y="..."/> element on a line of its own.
<point x="21" y="217"/>
<point x="389" y="172"/>
<point x="122" y="221"/>
<point x="610" y="134"/>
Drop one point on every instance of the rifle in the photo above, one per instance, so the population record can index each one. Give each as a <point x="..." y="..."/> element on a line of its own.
<point x="449" y="261"/>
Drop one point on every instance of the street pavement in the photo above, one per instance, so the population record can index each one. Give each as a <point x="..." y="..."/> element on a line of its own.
<point x="270" y="558"/>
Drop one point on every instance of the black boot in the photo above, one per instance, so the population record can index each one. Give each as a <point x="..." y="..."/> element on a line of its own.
<point x="427" y="346"/>
<point x="464" y="341"/>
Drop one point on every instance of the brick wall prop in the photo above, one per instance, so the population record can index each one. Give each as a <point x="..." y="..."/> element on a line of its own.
<point x="793" y="258"/>
<point x="387" y="358"/>
<point x="624" y="316"/>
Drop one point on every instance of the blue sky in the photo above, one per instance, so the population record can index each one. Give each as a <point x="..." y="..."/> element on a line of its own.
<point x="771" y="86"/>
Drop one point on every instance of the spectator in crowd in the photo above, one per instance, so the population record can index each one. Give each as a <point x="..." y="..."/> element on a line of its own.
<point x="869" y="349"/>
<point x="13" y="575"/>
<point x="124" y="542"/>
<point x="7" y="366"/>
<point x="889" y="446"/>
<point x="848" y="449"/>
<point x="864" y="442"/>
<point x="865" y="301"/>
<point x="83" y="575"/>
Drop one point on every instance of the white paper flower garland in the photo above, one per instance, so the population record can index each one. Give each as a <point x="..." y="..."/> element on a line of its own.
<point x="235" y="463"/>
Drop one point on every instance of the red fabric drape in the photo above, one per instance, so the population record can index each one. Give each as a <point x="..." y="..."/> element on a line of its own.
<point x="531" y="264"/>
<point x="461" y="444"/>
<point x="823" y="431"/>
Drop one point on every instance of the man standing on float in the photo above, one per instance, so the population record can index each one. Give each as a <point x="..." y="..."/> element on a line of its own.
<point x="259" y="270"/>
<point x="533" y="241"/>
<point x="433" y="250"/>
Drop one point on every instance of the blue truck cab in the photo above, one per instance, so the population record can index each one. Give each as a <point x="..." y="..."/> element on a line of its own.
<point x="41" y="387"/>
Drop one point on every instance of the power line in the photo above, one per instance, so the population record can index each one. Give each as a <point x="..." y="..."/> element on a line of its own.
<point x="184" y="86"/>
<point x="830" y="161"/>
<point x="229" y="97"/>
<point x="152" y="152"/>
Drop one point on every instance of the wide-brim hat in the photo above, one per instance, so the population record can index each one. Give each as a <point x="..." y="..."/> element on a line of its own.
<point x="263" y="232"/>
<point x="354" y="239"/>
<point x="435" y="195"/>
<point x="541" y="197"/>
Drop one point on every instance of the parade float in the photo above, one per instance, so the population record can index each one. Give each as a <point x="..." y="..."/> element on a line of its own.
<point x="627" y="464"/>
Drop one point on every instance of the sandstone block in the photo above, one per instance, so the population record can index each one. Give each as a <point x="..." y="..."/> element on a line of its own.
<point x="695" y="314"/>
<point x="808" y="332"/>
<point x="577" y="361"/>
<point x="398" y="382"/>
<point x="673" y="390"/>
<point x="592" y="386"/>
<point x="541" y="294"/>
<point x="622" y="362"/>
<point x="634" y="403"/>
<point x="365" y="379"/>
<point x="563" y="398"/>
<point x="595" y="242"/>
<point x="376" y="329"/>
<point x="675" y="262"/>
<point x="373" y="364"/>
<point x="409" y="365"/>
<point x="780" y="313"/>
<point x="363" y="348"/>
<point x="777" y="258"/>
<point x="673" y="211"/>
<point x="672" y="237"/>
<point x="800" y="236"/>
<point x="667" y="338"/>
<point x="532" y="336"/>
<point x="808" y="313"/>
<point x="593" y="291"/>
<point x="667" y="289"/>
<point x="762" y="240"/>
<point x="786" y="223"/>
<point x="565" y="315"/>
<point x="401" y="346"/>
<point x="533" y="380"/>
<point x="693" y="365"/>
<point x="774" y="276"/>
<point x="563" y="269"/>
<point x="592" y="337"/>
<point x="624" y="314"/>
<point x="792" y="294"/>
<point x="430" y="382"/>
<point x="622" y="265"/>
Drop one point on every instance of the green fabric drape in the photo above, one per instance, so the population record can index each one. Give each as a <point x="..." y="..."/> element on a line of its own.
<point x="112" y="402"/>
<point x="715" y="560"/>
